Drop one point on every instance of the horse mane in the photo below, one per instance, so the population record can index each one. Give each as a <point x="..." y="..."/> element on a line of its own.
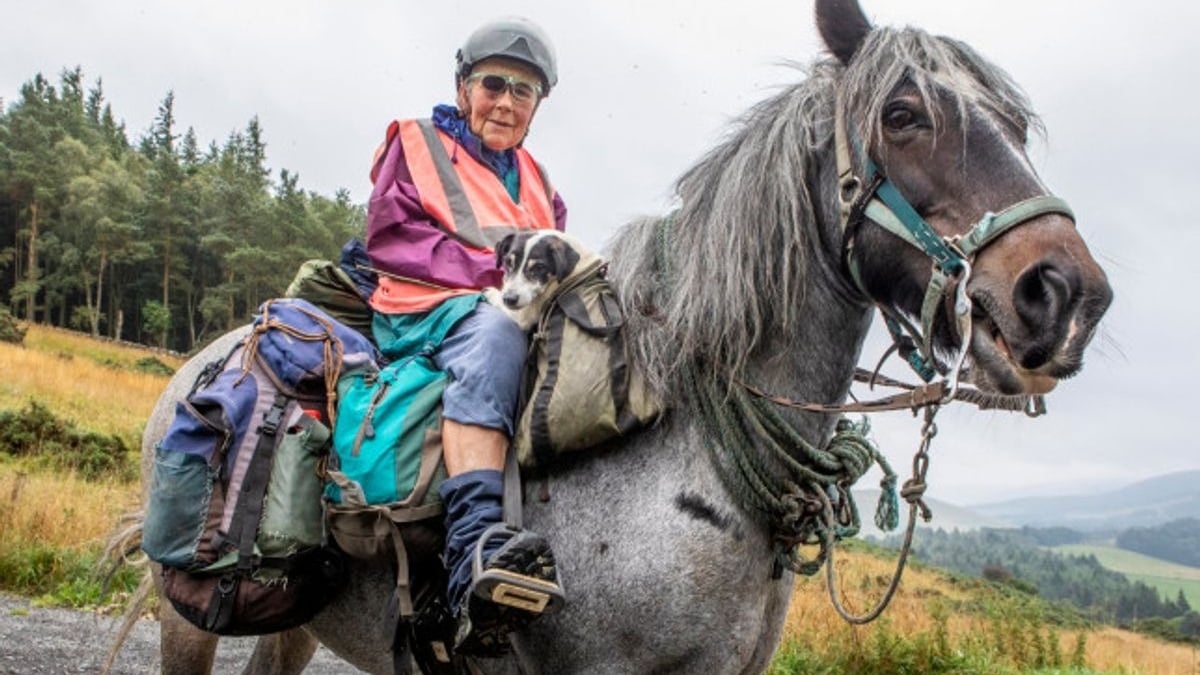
<point x="729" y="266"/>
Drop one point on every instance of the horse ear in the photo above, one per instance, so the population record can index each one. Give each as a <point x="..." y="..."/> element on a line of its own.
<point x="843" y="27"/>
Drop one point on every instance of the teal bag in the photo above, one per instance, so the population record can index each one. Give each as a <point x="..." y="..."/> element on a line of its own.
<point x="389" y="420"/>
<point x="384" y="419"/>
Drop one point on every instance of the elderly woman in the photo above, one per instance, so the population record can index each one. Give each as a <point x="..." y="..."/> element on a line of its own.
<point x="445" y="190"/>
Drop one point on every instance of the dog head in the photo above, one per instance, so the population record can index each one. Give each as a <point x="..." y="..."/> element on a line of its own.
<point x="534" y="263"/>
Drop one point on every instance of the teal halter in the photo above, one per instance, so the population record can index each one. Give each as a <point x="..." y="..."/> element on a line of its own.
<point x="875" y="198"/>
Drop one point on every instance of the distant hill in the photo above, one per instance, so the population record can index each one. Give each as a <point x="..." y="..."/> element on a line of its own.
<point x="946" y="516"/>
<point x="1146" y="503"/>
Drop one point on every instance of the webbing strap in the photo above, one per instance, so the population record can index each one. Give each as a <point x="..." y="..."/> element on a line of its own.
<point x="513" y="516"/>
<point x="243" y="526"/>
<point x="913" y="224"/>
<point x="993" y="225"/>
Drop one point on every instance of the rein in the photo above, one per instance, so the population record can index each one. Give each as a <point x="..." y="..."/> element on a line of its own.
<point x="928" y="397"/>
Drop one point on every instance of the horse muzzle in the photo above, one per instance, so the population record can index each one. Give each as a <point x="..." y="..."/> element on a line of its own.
<point x="1030" y="335"/>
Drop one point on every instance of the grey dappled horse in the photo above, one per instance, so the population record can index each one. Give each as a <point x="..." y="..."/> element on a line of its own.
<point x="665" y="570"/>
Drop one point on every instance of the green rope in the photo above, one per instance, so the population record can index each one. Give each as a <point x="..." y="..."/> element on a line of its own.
<point x="749" y="442"/>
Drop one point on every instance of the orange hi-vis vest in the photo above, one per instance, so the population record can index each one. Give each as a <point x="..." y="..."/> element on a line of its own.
<point x="466" y="199"/>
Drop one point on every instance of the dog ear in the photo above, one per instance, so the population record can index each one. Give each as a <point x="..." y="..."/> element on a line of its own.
<point x="502" y="248"/>
<point x="563" y="257"/>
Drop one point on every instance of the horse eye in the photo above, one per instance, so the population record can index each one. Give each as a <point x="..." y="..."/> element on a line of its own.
<point x="899" y="117"/>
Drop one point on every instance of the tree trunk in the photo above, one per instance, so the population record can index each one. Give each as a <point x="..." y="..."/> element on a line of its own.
<point x="31" y="269"/>
<point x="166" y="278"/>
<point x="99" y="293"/>
<point x="87" y="302"/>
<point x="229" y="304"/>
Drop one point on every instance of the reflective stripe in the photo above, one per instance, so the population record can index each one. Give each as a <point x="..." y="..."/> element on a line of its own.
<point x="465" y="198"/>
<point x="463" y="221"/>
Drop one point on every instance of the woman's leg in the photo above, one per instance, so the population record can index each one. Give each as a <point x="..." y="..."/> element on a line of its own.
<point x="484" y="356"/>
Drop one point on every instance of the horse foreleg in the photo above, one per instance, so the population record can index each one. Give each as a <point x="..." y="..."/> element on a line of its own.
<point x="282" y="653"/>
<point x="185" y="649"/>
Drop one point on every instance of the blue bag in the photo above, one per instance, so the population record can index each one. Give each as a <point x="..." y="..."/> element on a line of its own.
<point x="234" y="512"/>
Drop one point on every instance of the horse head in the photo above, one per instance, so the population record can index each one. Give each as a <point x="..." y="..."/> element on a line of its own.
<point x="925" y="119"/>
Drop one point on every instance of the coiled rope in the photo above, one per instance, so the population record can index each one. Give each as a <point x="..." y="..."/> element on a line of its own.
<point x="800" y="491"/>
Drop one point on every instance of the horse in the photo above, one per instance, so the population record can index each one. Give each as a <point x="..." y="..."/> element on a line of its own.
<point x="766" y="278"/>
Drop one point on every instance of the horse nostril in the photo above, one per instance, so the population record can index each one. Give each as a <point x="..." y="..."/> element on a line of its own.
<point x="1043" y="297"/>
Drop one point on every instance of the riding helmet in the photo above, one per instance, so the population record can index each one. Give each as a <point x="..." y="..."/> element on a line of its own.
<point x="514" y="38"/>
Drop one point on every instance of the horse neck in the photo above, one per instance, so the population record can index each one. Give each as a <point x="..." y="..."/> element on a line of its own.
<point x="814" y="357"/>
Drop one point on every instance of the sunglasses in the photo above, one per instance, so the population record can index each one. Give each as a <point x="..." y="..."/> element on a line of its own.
<point x="522" y="91"/>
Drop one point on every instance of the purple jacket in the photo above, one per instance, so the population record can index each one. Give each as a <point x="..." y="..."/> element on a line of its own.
<point x="404" y="240"/>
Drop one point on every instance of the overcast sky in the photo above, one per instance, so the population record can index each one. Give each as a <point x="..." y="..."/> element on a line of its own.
<point x="645" y="88"/>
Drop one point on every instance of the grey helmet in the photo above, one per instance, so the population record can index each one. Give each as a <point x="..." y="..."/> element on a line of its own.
<point x="514" y="38"/>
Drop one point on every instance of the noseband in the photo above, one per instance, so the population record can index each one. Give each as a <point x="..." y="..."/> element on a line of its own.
<point x="875" y="198"/>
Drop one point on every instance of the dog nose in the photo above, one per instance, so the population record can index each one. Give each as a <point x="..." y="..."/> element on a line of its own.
<point x="510" y="300"/>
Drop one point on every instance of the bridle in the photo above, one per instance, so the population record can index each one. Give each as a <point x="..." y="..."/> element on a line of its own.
<point x="873" y="197"/>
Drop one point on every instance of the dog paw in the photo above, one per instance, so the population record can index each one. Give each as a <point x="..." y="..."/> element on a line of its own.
<point x="492" y="294"/>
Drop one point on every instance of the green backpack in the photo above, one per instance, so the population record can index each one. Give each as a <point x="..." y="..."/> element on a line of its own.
<point x="580" y="390"/>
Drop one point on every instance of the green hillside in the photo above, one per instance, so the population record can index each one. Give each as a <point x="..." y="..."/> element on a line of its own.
<point x="1167" y="578"/>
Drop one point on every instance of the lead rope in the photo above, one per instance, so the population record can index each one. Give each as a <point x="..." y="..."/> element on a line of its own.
<point x="796" y="507"/>
<point x="913" y="492"/>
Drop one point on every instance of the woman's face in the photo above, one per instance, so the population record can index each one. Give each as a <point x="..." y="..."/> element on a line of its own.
<point x="500" y="119"/>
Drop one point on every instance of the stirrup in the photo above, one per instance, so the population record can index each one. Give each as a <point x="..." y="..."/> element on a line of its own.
<point x="521" y="574"/>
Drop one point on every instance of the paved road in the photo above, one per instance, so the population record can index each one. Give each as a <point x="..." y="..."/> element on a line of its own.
<point x="37" y="641"/>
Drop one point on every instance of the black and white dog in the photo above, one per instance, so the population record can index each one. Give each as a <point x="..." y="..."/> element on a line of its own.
<point x="534" y="264"/>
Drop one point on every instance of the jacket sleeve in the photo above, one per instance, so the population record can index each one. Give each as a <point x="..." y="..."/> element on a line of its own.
<point x="560" y="213"/>
<point x="404" y="240"/>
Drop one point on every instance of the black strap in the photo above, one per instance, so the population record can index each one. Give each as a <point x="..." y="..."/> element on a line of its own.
<point x="243" y="526"/>
<point x="512" y="490"/>
<point x="539" y="417"/>
<point x="618" y="365"/>
<point x="214" y="368"/>
<point x="572" y="305"/>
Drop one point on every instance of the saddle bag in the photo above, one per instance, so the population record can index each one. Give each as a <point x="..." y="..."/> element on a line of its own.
<point x="234" y="514"/>
<point x="579" y="389"/>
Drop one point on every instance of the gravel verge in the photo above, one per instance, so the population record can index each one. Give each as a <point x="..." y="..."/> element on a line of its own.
<point x="46" y="641"/>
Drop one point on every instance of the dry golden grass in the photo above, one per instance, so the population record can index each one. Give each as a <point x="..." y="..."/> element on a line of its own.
<point x="1114" y="649"/>
<point x="813" y="623"/>
<point x="66" y="372"/>
<point x="59" y="510"/>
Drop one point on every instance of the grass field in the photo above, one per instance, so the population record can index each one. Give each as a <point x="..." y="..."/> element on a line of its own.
<point x="1167" y="577"/>
<point x="98" y="385"/>
<point x="980" y="629"/>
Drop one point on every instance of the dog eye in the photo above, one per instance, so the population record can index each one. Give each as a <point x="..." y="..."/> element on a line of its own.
<point x="535" y="268"/>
